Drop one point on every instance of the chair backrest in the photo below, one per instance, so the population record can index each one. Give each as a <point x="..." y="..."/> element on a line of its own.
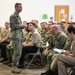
<point x="38" y="51"/>
<point x="71" y="71"/>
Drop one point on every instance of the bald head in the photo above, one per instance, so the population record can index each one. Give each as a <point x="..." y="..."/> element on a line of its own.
<point x="54" y="29"/>
<point x="7" y="24"/>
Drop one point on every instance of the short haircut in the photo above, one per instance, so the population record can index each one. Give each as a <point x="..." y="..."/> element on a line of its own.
<point x="16" y="5"/>
<point x="32" y="23"/>
<point x="45" y="22"/>
<point x="55" y="27"/>
<point x="63" y="22"/>
<point x="71" y="28"/>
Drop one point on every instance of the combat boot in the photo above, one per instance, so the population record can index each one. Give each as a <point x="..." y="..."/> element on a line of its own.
<point x="6" y="62"/>
<point x="16" y="70"/>
<point x="10" y="64"/>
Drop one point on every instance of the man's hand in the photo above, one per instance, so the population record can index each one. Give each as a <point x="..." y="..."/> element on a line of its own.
<point x="66" y="52"/>
<point x="24" y="26"/>
<point x="46" y="52"/>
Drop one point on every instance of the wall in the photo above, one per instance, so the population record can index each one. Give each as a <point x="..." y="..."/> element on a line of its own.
<point x="33" y="9"/>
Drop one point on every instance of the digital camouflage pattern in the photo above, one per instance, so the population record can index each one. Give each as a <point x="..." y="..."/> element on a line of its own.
<point x="9" y="51"/>
<point x="67" y="44"/>
<point x="16" y="31"/>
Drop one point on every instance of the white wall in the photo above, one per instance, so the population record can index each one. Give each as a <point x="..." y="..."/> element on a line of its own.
<point x="33" y="9"/>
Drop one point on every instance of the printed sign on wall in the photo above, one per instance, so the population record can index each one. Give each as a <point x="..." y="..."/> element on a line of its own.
<point x="44" y="16"/>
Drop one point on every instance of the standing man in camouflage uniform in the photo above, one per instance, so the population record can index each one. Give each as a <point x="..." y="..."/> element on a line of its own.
<point x="16" y="31"/>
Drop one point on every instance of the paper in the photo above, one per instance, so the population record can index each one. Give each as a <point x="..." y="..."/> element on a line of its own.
<point x="64" y="15"/>
<point x="47" y="44"/>
<point x="58" y="50"/>
<point x="62" y="11"/>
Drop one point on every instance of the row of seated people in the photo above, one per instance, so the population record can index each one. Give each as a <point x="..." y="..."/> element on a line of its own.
<point x="62" y="61"/>
<point x="4" y="40"/>
<point x="30" y="45"/>
<point x="43" y="32"/>
<point x="54" y="36"/>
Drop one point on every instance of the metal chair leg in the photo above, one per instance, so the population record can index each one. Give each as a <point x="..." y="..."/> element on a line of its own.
<point x="31" y="61"/>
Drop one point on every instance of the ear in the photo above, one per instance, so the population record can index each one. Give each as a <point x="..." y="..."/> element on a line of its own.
<point x="72" y="33"/>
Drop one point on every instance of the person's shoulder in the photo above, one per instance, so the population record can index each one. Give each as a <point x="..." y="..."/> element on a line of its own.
<point x="36" y="31"/>
<point x="12" y="15"/>
<point x="63" y="34"/>
<point x="73" y="41"/>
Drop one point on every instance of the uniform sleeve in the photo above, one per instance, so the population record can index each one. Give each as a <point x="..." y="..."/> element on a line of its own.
<point x="73" y="47"/>
<point x="35" y="38"/>
<point x="67" y="44"/>
<point x="60" y="42"/>
<point x="9" y="33"/>
<point x="14" y="23"/>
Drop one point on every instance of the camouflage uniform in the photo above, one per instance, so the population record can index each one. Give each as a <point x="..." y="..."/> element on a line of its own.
<point x="44" y="34"/>
<point x="48" y="38"/>
<point x="39" y="29"/>
<point x="25" y="35"/>
<point x="50" y="41"/>
<point x="16" y="37"/>
<point x="64" y="61"/>
<point x="67" y="44"/>
<point x="9" y="52"/>
<point x="58" y="42"/>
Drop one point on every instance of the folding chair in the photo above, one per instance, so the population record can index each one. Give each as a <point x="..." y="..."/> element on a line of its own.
<point x="35" y="54"/>
<point x="71" y="70"/>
